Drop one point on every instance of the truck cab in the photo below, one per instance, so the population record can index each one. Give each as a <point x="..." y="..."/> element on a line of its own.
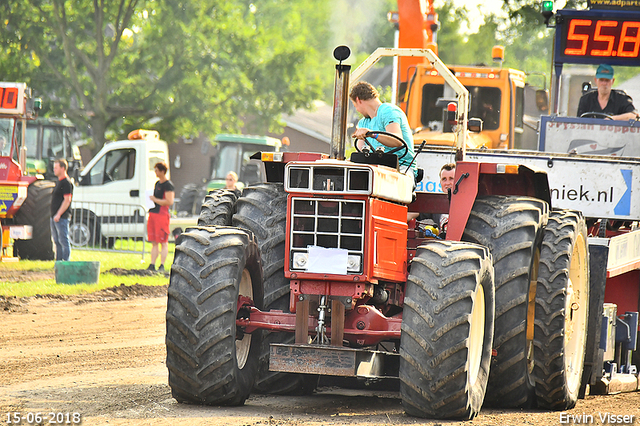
<point x="497" y="97"/>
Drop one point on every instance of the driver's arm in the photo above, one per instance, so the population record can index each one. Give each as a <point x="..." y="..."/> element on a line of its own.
<point x="389" y="141"/>
<point x="625" y="116"/>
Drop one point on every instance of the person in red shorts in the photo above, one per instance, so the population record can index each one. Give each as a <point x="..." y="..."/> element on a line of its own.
<point x="158" y="222"/>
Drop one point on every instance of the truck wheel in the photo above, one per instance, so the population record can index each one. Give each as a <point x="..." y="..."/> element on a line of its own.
<point x="511" y="227"/>
<point x="188" y="196"/>
<point x="40" y="246"/>
<point x="562" y="302"/>
<point x="84" y="231"/>
<point x="218" y="208"/>
<point x="210" y="360"/>
<point x="262" y="209"/>
<point x="447" y="331"/>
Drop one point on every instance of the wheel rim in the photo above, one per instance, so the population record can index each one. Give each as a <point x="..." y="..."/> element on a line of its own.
<point x="79" y="234"/>
<point x="476" y="336"/>
<point x="244" y="345"/>
<point x="576" y="306"/>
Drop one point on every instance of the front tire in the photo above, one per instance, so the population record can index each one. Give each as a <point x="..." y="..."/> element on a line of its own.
<point x="562" y="305"/>
<point x="447" y="331"/>
<point x="36" y="212"/>
<point x="210" y="360"/>
<point x="511" y="227"/>
<point x="262" y="209"/>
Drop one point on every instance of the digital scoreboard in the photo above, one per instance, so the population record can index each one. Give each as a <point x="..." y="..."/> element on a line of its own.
<point x="12" y="98"/>
<point x="598" y="37"/>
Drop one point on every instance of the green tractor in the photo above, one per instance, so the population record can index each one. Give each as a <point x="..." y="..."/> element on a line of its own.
<point x="233" y="153"/>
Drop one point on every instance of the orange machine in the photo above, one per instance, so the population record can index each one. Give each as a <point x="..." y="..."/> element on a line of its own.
<point x="497" y="94"/>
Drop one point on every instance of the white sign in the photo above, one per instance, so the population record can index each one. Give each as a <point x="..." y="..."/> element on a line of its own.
<point x="590" y="136"/>
<point x="599" y="187"/>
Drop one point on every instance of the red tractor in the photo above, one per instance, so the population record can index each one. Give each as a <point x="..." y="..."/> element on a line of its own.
<point x="317" y="272"/>
<point x="24" y="200"/>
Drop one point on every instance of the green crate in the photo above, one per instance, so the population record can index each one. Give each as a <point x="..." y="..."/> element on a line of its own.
<point x="70" y="272"/>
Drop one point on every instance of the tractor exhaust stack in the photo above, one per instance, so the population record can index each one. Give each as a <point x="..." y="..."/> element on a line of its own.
<point x="340" y="104"/>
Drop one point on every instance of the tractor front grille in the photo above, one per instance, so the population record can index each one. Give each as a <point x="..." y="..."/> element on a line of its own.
<point x="328" y="223"/>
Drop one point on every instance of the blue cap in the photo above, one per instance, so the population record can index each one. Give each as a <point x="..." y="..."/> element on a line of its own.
<point x="604" y="71"/>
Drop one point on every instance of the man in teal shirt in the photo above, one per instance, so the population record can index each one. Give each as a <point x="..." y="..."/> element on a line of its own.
<point x="386" y="117"/>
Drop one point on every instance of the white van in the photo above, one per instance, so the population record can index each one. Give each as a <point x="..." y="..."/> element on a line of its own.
<point x="111" y="197"/>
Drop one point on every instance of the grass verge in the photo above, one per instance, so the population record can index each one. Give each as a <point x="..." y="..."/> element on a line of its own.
<point x="28" y="281"/>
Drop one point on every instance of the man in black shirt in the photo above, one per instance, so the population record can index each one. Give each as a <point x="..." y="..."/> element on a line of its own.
<point x="615" y="103"/>
<point x="158" y="223"/>
<point x="61" y="210"/>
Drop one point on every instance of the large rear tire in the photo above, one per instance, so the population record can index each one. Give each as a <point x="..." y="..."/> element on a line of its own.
<point x="210" y="360"/>
<point x="511" y="227"/>
<point x="35" y="211"/>
<point x="562" y="311"/>
<point x="218" y="208"/>
<point x="447" y="331"/>
<point x="262" y="209"/>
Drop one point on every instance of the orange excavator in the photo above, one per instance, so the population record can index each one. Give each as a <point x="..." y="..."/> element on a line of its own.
<point x="497" y="94"/>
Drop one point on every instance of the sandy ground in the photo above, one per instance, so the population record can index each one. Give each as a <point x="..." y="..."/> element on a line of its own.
<point x="102" y="356"/>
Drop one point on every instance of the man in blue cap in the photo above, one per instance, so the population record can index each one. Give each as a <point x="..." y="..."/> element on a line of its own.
<point x="615" y="103"/>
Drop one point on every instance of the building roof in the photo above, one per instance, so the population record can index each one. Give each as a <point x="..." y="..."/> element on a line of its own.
<point x="315" y="123"/>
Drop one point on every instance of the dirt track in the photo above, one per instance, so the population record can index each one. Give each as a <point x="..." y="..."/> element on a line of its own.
<point x="102" y="356"/>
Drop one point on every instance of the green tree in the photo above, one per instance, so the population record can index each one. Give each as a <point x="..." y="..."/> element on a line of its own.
<point x="179" y="67"/>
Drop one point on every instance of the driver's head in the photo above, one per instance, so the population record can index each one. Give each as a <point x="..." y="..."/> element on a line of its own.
<point x="447" y="176"/>
<point x="361" y="93"/>
<point x="604" y="77"/>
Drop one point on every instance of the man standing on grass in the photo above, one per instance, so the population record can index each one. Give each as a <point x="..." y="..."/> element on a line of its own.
<point x="61" y="210"/>
<point x="158" y="223"/>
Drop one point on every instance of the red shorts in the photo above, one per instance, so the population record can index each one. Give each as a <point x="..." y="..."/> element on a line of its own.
<point x="158" y="228"/>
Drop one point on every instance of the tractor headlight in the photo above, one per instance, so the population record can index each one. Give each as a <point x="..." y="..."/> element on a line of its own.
<point x="353" y="263"/>
<point x="300" y="260"/>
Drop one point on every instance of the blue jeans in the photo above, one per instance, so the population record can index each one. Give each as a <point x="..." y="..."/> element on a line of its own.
<point x="60" y="234"/>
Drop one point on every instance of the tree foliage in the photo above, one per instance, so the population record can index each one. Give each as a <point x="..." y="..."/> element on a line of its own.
<point x="176" y="66"/>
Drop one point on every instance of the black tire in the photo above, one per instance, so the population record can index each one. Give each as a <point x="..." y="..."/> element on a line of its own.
<point x="562" y="311"/>
<point x="210" y="360"/>
<point x="35" y="211"/>
<point x="262" y="209"/>
<point x="447" y="331"/>
<point x="188" y="195"/>
<point x="511" y="227"/>
<point x="84" y="230"/>
<point x="218" y="208"/>
<point x="200" y="199"/>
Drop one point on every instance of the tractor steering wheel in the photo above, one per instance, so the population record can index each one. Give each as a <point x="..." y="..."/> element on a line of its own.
<point x="593" y="114"/>
<point x="404" y="147"/>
